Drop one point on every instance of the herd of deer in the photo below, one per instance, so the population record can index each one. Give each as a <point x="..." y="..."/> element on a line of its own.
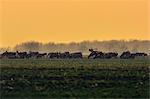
<point x="67" y="55"/>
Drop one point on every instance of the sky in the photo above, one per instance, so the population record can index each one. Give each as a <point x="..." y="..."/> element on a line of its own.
<point x="64" y="21"/>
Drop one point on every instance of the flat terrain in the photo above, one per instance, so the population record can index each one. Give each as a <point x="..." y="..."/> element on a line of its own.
<point x="74" y="78"/>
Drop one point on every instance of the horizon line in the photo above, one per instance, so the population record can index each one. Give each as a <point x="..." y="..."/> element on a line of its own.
<point x="126" y="40"/>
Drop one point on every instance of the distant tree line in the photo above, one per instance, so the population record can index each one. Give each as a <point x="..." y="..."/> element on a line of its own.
<point x="104" y="46"/>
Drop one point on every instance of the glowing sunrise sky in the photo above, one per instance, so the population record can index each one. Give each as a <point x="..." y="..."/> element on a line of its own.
<point x="63" y="21"/>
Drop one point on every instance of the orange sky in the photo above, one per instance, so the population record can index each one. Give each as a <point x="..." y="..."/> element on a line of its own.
<point x="72" y="20"/>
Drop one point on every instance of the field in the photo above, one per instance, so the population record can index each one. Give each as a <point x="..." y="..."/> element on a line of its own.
<point x="74" y="78"/>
